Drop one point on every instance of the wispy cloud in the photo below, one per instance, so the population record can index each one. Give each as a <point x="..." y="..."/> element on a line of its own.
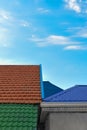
<point x="9" y="27"/>
<point x="52" y="40"/>
<point x="75" y="47"/>
<point x="78" y="31"/>
<point x="12" y="61"/>
<point x="8" y="61"/>
<point x="74" y="29"/>
<point x="5" y="39"/>
<point x="4" y="14"/>
<point x="4" y="61"/>
<point x="25" y="23"/>
<point x="84" y="35"/>
<point x="43" y="10"/>
<point x="6" y="18"/>
<point x="82" y="32"/>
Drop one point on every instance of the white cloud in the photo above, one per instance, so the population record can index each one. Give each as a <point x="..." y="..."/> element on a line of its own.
<point x="79" y="6"/>
<point x="73" y="4"/>
<point x="43" y="10"/>
<point x="75" y="47"/>
<point x="52" y="40"/>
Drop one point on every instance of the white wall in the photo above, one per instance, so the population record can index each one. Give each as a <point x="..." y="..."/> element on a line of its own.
<point x="67" y="121"/>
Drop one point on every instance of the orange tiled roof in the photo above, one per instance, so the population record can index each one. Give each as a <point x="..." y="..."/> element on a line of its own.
<point x="20" y="84"/>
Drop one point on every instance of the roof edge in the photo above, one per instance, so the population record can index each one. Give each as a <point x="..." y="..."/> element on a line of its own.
<point x="60" y="93"/>
<point x="41" y="82"/>
<point x="62" y="104"/>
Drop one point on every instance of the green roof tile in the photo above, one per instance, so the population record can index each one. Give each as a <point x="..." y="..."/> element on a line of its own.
<point x="18" y="117"/>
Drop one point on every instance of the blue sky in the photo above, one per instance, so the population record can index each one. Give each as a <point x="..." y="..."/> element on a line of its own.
<point x="48" y="32"/>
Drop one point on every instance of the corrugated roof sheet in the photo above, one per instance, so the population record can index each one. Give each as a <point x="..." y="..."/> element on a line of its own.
<point x="77" y="93"/>
<point x="50" y="89"/>
<point x="20" y="84"/>
<point x="18" y="117"/>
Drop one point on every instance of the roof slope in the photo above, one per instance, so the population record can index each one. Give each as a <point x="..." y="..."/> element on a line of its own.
<point x="18" y="117"/>
<point x="20" y="84"/>
<point x="77" y="93"/>
<point x="50" y="89"/>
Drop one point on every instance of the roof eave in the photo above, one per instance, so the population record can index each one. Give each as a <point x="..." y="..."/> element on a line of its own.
<point x="63" y="104"/>
<point x="59" y="107"/>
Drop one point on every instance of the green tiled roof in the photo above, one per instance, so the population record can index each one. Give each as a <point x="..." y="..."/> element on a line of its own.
<point x="18" y="117"/>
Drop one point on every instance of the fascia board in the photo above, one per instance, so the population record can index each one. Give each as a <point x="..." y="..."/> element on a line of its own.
<point x="47" y="108"/>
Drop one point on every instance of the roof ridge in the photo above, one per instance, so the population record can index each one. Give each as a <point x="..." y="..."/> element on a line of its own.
<point x="81" y="85"/>
<point x="19" y="65"/>
<point x="65" y="91"/>
<point x="62" y="92"/>
<point x="76" y="93"/>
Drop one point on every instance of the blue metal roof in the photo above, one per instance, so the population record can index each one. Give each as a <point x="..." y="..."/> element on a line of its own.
<point x="77" y="93"/>
<point x="50" y="89"/>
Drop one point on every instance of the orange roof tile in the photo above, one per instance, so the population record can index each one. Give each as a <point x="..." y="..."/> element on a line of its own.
<point x="20" y="84"/>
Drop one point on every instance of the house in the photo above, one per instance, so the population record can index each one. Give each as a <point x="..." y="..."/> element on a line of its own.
<point x="66" y="110"/>
<point x="20" y="96"/>
<point x="21" y="92"/>
<point x="50" y="89"/>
